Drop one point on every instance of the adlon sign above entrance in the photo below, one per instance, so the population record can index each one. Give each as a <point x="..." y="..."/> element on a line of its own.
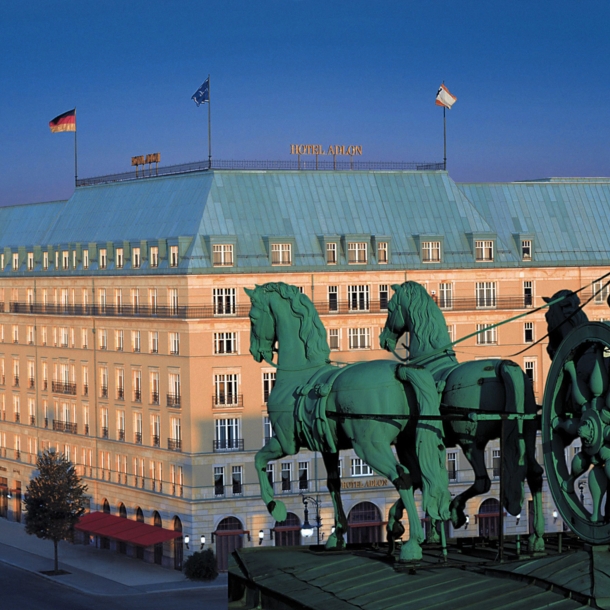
<point x="318" y="149"/>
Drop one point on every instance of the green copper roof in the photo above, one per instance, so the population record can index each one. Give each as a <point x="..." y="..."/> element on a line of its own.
<point x="566" y="219"/>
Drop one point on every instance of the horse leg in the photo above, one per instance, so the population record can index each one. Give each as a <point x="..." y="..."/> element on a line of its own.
<point x="271" y="451"/>
<point x="395" y="529"/>
<point x="481" y="485"/>
<point x="331" y="462"/>
<point x="598" y="484"/>
<point x="380" y="458"/>
<point x="534" y="482"/>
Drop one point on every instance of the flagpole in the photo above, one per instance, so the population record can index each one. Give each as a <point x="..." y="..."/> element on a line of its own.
<point x="209" y="124"/>
<point x="444" y="138"/>
<point x="75" y="152"/>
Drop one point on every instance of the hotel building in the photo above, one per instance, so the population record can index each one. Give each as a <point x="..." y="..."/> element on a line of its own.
<point x="124" y="330"/>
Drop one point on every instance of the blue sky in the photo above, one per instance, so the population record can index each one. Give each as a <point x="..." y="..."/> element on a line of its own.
<point x="531" y="80"/>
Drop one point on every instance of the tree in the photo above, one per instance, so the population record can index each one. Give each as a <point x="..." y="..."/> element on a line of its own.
<point x="201" y="566"/>
<point x="54" y="499"/>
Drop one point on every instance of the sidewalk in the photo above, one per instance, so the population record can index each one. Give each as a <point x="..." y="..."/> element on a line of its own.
<point x="92" y="570"/>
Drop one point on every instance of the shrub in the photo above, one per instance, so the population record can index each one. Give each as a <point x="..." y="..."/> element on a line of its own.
<point x="201" y="566"/>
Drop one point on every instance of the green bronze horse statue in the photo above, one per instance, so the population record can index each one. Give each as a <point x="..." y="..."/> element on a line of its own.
<point x="363" y="406"/>
<point x="496" y="386"/>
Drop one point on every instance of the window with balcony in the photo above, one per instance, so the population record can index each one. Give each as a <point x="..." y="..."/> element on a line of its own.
<point x="225" y="343"/>
<point x="357" y="253"/>
<point x="173" y="396"/>
<point x="331" y="253"/>
<point x="358" y="298"/>
<point x="175" y="441"/>
<point x="267" y="429"/>
<point x="281" y="254"/>
<point x="268" y="383"/>
<point x="486" y="335"/>
<point x="485" y="294"/>
<point x="120" y="425"/>
<point x="154" y="387"/>
<point x="228" y="435"/>
<point x="120" y="384"/>
<point x="484" y="250"/>
<point x="224" y="301"/>
<point x="104" y="422"/>
<point x="103" y="382"/>
<point x="222" y="255"/>
<point x="445" y="295"/>
<point x="333" y="298"/>
<point x="137" y="427"/>
<point x="152" y="300"/>
<point x="226" y="386"/>
<point x="155" y="430"/>
<point x="431" y="251"/>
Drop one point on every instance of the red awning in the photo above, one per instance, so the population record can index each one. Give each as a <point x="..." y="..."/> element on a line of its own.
<point x="124" y="530"/>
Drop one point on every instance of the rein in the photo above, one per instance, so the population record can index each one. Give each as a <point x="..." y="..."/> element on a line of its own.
<point x="316" y="365"/>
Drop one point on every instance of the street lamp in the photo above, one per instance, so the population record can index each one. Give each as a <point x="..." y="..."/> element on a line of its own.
<point x="581" y="487"/>
<point x="261" y="537"/>
<point x="187" y="539"/>
<point x="202" y="542"/>
<point x="307" y="528"/>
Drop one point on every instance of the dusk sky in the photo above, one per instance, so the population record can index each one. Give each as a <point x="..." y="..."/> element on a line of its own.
<point x="531" y="78"/>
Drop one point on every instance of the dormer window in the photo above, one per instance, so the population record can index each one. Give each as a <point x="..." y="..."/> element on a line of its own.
<point x="135" y="258"/>
<point x="56" y="259"/>
<point x="65" y="258"/>
<point x="45" y="260"/>
<point x="484" y="250"/>
<point x="154" y="256"/>
<point x="431" y="251"/>
<point x="30" y="261"/>
<point x="281" y="254"/>
<point x="2" y="262"/>
<point x="173" y="256"/>
<point x="331" y="253"/>
<point x="526" y="249"/>
<point x="85" y="259"/>
<point x="357" y="253"/>
<point x="15" y="261"/>
<point x="222" y="255"/>
<point x="382" y="252"/>
<point x="119" y="258"/>
<point x="103" y="258"/>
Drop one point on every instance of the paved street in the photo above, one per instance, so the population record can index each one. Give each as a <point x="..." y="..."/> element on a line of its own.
<point x="28" y="591"/>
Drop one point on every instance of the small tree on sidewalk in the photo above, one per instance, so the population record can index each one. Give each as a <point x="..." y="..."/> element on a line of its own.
<point x="54" y="499"/>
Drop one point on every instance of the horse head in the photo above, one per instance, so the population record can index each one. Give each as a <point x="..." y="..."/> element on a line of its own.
<point x="395" y="324"/>
<point x="262" y="325"/>
<point x="561" y="317"/>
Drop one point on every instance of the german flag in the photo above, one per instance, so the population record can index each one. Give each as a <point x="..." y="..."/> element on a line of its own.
<point x="64" y="122"/>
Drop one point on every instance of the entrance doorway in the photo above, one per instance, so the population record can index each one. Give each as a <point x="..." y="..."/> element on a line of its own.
<point x="364" y="524"/>
<point x="229" y="536"/>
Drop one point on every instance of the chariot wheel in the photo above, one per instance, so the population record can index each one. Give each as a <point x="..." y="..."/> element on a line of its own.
<point x="576" y="406"/>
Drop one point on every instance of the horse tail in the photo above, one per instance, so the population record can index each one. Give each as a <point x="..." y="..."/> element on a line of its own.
<point x="513" y="459"/>
<point x="430" y="449"/>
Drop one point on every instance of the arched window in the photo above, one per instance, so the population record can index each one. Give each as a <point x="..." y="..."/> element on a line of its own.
<point x="105" y="506"/>
<point x="229" y="535"/>
<point x="288" y="532"/>
<point x="364" y="523"/>
<point x="140" y="518"/>
<point x="122" y="511"/>
<point x="105" y="542"/>
<point x="178" y="545"/>
<point x="158" y="547"/>
<point x="489" y="518"/>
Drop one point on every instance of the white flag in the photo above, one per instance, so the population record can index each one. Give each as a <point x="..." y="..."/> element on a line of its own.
<point x="444" y="98"/>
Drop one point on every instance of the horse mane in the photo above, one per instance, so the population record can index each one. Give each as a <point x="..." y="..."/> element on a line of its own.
<point x="427" y="320"/>
<point x="568" y="310"/>
<point x="311" y="330"/>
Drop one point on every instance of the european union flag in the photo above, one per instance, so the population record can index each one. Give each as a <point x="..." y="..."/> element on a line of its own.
<point x="202" y="94"/>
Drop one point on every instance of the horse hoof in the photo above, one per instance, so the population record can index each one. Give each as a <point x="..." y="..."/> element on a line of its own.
<point x="458" y="518"/>
<point x="396" y="530"/>
<point x="433" y="537"/>
<point x="409" y="552"/>
<point x="535" y="544"/>
<point x="278" y="510"/>
<point x="334" y="543"/>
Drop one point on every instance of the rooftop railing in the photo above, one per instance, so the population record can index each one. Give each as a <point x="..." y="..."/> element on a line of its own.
<point x="290" y="165"/>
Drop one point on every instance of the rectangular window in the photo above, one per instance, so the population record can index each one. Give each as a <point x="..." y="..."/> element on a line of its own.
<point x="333" y="298"/>
<point x="530" y="370"/>
<point x="120" y="384"/>
<point x="120" y="425"/>
<point x="601" y="291"/>
<point x="358" y="298"/>
<point x="15" y="261"/>
<point x="104" y="422"/>
<point x="56" y="260"/>
<point x="173" y="397"/>
<point x="333" y="338"/>
<point x="281" y="254"/>
<point x="236" y="476"/>
<point x="496" y="465"/>
<point x="225" y="343"/>
<point x="73" y="259"/>
<point x="268" y="383"/>
<point x="526" y="250"/>
<point x="228" y="437"/>
<point x="219" y="480"/>
<point x="331" y="253"/>
<point x="222" y="255"/>
<point x="528" y="332"/>
<point x="173" y="256"/>
<point x="137" y="427"/>
<point x="486" y="294"/>
<point x="431" y="251"/>
<point x="445" y="300"/>
<point x="152" y="300"/>
<point x="30" y="335"/>
<point x="65" y="259"/>
<point x="224" y="301"/>
<point x="384" y="294"/>
<point x="154" y="256"/>
<point x="84" y="338"/>
<point x="85" y="259"/>
<point x="103" y="382"/>
<point x="135" y="340"/>
<point x="103" y="258"/>
<point x="135" y="258"/>
<point x="118" y="340"/>
<point x="303" y="476"/>
<point x="382" y="252"/>
<point x="30" y="261"/>
<point x="175" y="442"/>
<point x="226" y="390"/>
<point x="103" y="335"/>
<point x="484" y="250"/>
<point x="153" y="341"/>
<point x="119" y="258"/>
<point x="452" y="465"/>
<point x="155" y="430"/>
<point x="154" y="387"/>
<point x="359" y="338"/>
<point x="267" y="429"/>
<point x="135" y="300"/>
<point x="357" y="253"/>
<point x="172" y="297"/>
<point x="286" y="476"/>
<point x="174" y="344"/>
<point x="101" y="299"/>
<point x="45" y="261"/>
<point x="486" y="334"/>
<point x="136" y="382"/>
<point x="271" y="473"/>
<point x="528" y="294"/>
<point x="360" y="468"/>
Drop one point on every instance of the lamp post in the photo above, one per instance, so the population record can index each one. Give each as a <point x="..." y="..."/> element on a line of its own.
<point x="307" y="529"/>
